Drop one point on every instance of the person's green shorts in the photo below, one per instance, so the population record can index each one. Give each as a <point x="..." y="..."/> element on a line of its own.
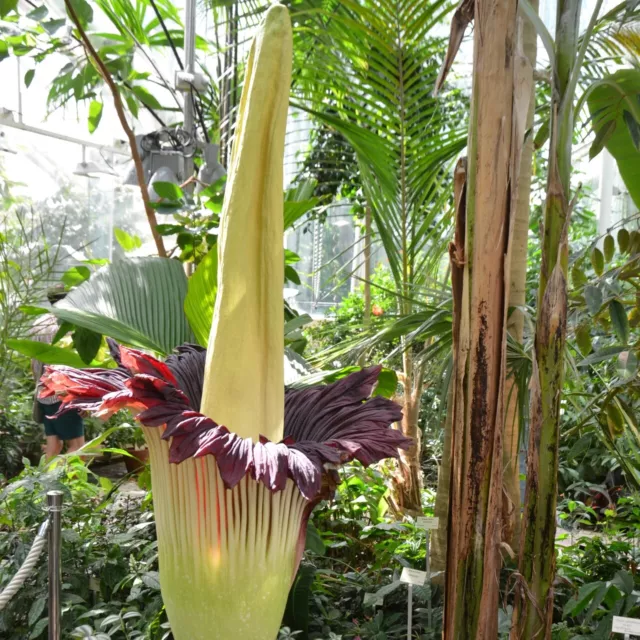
<point x="66" y="427"/>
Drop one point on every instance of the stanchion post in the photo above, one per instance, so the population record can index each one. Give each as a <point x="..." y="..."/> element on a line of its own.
<point x="54" y="505"/>
<point x="428" y="570"/>
<point x="410" y="612"/>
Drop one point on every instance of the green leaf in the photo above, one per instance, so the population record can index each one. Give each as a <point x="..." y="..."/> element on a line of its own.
<point x="28" y="77"/>
<point x="609" y="247"/>
<point x="147" y="98"/>
<point x="608" y="101"/>
<point x="619" y="320"/>
<point x="593" y="297"/>
<point x="580" y="602"/>
<point x="597" y="260"/>
<point x="62" y="331"/>
<point x="87" y="343"/>
<point x="152" y="580"/>
<point x="624" y="581"/>
<point x="634" y="129"/>
<point x="201" y="297"/>
<point x="168" y="191"/>
<point x="601" y="355"/>
<point x="75" y="276"/>
<point x="603" y="135"/>
<point x="95" y="115"/>
<point x="387" y="384"/>
<point x="169" y="229"/>
<point x="293" y="211"/>
<point x="39" y="13"/>
<point x="578" y="276"/>
<point x="314" y="540"/>
<point x="7" y="6"/>
<point x="627" y="364"/>
<point x="542" y="135"/>
<point x="31" y="310"/>
<point x="83" y="10"/>
<point x="624" y="240"/>
<point x="296" y="614"/>
<point x="133" y="105"/>
<point x="127" y="241"/>
<point x="583" y="338"/>
<point x="51" y="26"/>
<point x="136" y="301"/>
<point x="290" y="257"/>
<point x="36" y="610"/>
<point x="46" y="353"/>
<point x="296" y="323"/>
<point x="39" y="628"/>
<point x="291" y="275"/>
<point x="615" y="419"/>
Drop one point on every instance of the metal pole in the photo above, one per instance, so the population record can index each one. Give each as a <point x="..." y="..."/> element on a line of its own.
<point x="189" y="67"/>
<point x="54" y="504"/>
<point x="410" y="612"/>
<point x="7" y="121"/>
<point x="428" y="581"/>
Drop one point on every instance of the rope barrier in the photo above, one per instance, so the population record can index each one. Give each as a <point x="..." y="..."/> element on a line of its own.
<point x="27" y="566"/>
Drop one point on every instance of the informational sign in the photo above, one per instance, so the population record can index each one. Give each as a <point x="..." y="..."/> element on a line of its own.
<point x="426" y="523"/>
<point x="413" y="576"/>
<point x="373" y="600"/>
<point x="625" y="625"/>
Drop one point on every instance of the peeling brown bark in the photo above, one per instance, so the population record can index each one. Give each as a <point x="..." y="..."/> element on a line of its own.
<point x="480" y="262"/>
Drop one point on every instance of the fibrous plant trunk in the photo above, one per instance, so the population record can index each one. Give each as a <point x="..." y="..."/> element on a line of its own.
<point x="480" y="256"/>
<point x="441" y="508"/>
<point x="409" y="482"/>
<point x="533" y="610"/>
<point x="517" y="300"/>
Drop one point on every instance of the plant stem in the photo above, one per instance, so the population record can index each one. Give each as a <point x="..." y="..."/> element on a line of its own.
<point x="117" y="102"/>
<point x="533" y="611"/>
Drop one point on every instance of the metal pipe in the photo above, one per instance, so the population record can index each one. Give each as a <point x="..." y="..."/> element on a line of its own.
<point x="8" y="122"/>
<point x="189" y="59"/>
<point x="54" y="505"/>
<point x="189" y="67"/>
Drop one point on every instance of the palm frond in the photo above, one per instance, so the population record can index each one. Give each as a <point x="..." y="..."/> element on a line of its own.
<point x="367" y="71"/>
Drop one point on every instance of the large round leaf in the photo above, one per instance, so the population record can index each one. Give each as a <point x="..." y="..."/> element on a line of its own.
<point x="139" y="302"/>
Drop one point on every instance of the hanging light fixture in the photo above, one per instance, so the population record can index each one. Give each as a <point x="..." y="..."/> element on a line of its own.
<point x="90" y="169"/>
<point x="5" y="145"/>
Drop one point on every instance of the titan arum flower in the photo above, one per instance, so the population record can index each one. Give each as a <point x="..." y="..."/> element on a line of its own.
<point x="237" y="461"/>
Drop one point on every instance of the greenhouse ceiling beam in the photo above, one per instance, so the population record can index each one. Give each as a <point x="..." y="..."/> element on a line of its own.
<point x="6" y="120"/>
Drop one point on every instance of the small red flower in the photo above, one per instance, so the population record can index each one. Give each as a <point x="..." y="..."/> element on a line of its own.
<point x="377" y="310"/>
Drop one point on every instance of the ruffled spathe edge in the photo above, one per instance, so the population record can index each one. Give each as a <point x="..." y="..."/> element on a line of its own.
<point x="323" y="425"/>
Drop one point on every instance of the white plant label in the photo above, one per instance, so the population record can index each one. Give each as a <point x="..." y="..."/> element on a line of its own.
<point x="373" y="599"/>
<point x="413" y="576"/>
<point x="427" y="523"/>
<point x="625" y="625"/>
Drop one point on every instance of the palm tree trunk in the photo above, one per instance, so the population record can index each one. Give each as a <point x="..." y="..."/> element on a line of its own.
<point x="408" y="494"/>
<point x="480" y="267"/>
<point x="517" y="300"/>
<point x="441" y="508"/>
